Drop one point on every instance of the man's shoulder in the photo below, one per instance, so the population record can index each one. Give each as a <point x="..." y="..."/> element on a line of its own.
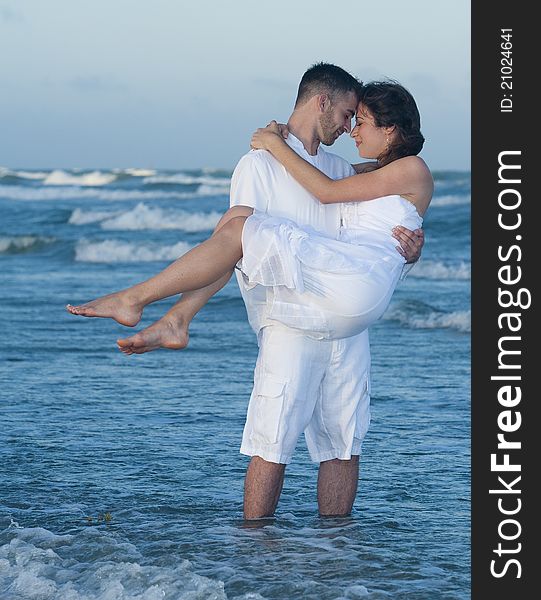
<point x="255" y="165"/>
<point x="256" y="158"/>
<point x="334" y="157"/>
<point x="342" y="167"/>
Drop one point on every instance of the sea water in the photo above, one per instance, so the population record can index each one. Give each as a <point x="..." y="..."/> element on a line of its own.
<point x="120" y="476"/>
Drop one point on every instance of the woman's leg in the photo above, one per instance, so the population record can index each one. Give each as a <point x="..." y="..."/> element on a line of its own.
<point x="203" y="266"/>
<point x="171" y="330"/>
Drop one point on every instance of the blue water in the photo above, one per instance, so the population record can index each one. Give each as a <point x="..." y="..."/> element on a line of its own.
<point x="121" y="476"/>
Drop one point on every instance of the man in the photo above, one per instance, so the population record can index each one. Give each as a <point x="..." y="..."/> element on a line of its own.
<point x="301" y="383"/>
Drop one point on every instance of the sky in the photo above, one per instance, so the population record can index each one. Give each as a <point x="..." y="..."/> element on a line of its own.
<point x="181" y="85"/>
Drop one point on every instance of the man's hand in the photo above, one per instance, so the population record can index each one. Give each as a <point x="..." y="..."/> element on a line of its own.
<point x="411" y="243"/>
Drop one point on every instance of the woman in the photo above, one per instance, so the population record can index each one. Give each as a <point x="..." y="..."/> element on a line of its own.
<point x="330" y="288"/>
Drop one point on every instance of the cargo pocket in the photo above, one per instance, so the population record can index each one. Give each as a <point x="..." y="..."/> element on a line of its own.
<point x="269" y="407"/>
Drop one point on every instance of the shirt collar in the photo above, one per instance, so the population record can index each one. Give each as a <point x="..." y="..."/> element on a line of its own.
<point x="297" y="145"/>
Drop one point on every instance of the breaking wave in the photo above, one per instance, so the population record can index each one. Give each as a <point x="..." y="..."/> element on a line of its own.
<point x="421" y="316"/>
<point x="114" y="251"/>
<point x="15" y="192"/>
<point x="96" y="178"/>
<point x="22" y="243"/>
<point x="32" y="175"/>
<point x="184" y="179"/>
<point x="450" y="200"/>
<point x="438" y="270"/>
<point x="144" y="217"/>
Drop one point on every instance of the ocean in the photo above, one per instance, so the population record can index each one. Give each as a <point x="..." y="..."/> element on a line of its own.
<point x="121" y="476"/>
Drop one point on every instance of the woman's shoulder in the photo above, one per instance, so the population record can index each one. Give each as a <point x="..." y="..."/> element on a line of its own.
<point x="413" y="164"/>
<point x="414" y="169"/>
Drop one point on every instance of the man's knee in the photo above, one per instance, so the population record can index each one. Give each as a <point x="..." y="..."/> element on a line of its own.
<point x="265" y="466"/>
<point x="341" y="462"/>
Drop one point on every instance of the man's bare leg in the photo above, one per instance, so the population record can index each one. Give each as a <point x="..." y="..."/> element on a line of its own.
<point x="171" y="331"/>
<point x="337" y="486"/>
<point x="202" y="266"/>
<point x="262" y="488"/>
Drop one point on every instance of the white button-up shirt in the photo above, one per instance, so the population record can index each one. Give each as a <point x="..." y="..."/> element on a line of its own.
<point x="261" y="182"/>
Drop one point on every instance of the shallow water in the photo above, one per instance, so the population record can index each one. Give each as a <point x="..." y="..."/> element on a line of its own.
<point x="121" y="476"/>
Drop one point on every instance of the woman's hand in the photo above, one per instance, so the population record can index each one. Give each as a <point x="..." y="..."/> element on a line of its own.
<point x="267" y="137"/>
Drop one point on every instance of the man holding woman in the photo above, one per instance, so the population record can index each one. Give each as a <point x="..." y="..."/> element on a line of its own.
<point x="304" y="380"/>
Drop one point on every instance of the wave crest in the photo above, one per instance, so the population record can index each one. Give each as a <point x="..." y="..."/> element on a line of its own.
<point x="115" y="251"/>
<point x="85" y="217"/>
<point x="33" y="175"/>
<point x="184" y="179"/>
<point x="144" y="217"/>
<point x="18" y="244"/>
<point x="417" y="315"/>
<point x="15" y="192"/>
<point x="450" y="200"/>
<point x="96" y="178"/>
<point x="438" y="270"/>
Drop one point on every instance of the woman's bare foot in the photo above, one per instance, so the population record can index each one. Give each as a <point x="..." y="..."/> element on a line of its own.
<point x="120" y="306"/>
<point x="167" y="333"/>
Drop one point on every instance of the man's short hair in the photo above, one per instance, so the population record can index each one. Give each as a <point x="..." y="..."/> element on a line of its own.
<point x="325" y="78"/>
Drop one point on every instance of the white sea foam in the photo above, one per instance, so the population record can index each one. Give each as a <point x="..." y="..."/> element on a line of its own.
<point x="32" y="174"/>
<point x="115" y="251"/>
<point x="144" y="217"/>
<point x="84" y="217"/>
<point x="213" y="190"/>
<point x="450" y="200"/>
<point x="96" y="178"/>
<point x="458" y="320"/>
<point x="22" y="243"/>
<point x="212" y="170"/>
<point x="15" y="192"/>
<point x="184" y="179"/>
<point x="23" y="174"/>
<point x="427" y="269"/>
<point x="136" y="172"/>
<point x="93" y="565"/>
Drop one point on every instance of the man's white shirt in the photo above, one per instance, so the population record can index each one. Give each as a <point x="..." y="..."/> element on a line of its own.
<point x="261" y="182"/>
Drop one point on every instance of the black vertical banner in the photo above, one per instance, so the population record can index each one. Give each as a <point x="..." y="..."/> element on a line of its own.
<point x="506" y="429"/>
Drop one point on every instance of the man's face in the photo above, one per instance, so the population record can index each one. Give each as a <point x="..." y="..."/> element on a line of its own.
<point x="336" y="120"/>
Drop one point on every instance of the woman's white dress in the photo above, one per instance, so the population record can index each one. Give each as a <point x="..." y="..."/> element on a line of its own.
<point x="329" y="288"/>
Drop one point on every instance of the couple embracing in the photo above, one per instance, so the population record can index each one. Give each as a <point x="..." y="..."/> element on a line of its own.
<point x="318" y="246"/>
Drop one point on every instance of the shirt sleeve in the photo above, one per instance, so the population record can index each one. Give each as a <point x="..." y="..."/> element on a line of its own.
<point x="250" y="185"/>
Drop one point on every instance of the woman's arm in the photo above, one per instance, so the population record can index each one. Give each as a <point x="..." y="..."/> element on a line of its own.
<point x="404" y="177"/>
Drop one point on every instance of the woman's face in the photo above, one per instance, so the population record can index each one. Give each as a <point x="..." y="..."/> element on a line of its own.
<point x="371" y="141"/>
